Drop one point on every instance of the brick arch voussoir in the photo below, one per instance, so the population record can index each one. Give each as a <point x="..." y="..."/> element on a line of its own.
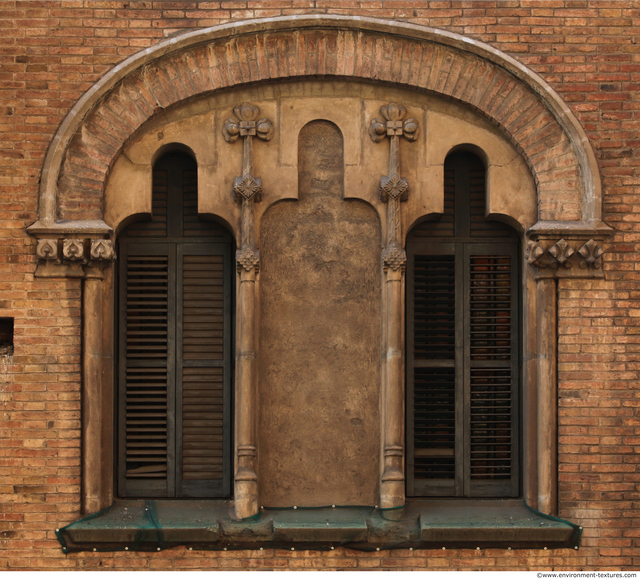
<point x="321" y="53"/>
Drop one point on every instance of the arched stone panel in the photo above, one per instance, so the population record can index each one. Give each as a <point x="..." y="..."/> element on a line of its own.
<point x="515" y="99"/>
<point x="319" y="370"/>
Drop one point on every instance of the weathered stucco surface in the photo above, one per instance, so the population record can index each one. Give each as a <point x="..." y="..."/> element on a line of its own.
<point x="349" y="105"/>
<point x="319" y="370"/>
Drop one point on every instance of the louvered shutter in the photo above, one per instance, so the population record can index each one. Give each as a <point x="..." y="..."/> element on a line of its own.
<point x="491" y="370"/>
<point x="433" y="445"/>
<point x="175" y="363"/>
<point x="203" y="370"/>
<point x="146" y="375"/>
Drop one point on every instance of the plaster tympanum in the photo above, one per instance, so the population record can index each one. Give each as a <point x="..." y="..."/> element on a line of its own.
<point x="351" y="107"/>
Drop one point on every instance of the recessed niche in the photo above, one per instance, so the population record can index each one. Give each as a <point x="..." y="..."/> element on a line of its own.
<point x="6" y="336"/>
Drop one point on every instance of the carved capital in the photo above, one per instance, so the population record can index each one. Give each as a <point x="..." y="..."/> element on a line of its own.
<point x="102" y="249"/>
<point x="247" y="187"/>
<point x="394" y="258"/>
<point x="591" y="255"/>
<point x="48" y="249"/>
<point x="248" y="259"/>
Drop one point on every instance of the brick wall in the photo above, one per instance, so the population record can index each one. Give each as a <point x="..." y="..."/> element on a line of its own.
<point x="589" y="51"/>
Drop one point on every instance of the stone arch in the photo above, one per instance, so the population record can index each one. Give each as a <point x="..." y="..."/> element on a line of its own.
<point x="528" y="111"/>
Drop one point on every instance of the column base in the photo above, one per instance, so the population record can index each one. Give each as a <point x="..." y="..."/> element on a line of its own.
<point x="246" y="499"/>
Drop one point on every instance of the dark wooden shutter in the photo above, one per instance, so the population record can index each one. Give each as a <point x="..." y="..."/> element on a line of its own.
<point x="431" y="406"/>
<point x="175" y="363"/>
<point x="204" y="368"/>
<point x="147" y="393"/>
<point x="491" y="369"/>
<point x="462" y="346"/>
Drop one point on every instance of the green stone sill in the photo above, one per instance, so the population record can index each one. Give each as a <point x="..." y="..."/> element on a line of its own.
<point x="138" y="525"/>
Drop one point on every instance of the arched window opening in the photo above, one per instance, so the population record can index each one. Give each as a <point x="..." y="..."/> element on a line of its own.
<point x="463" y="341"/>
<point x="174" y="352"/>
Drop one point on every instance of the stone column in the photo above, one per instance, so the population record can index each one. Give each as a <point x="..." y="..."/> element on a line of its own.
<point x="92" y="391"/>
<point x="392" y="491"/>
<point x="246" y="480"/>
<point x="547" y="396"/>
<point x="393" y="190"/>
<point x="247" y="190"/>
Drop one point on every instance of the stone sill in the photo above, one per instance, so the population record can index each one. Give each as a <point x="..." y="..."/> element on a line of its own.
<point x="153" y="525"/>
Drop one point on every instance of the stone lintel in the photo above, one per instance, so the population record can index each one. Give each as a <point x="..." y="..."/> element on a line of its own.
<point x="568" y="230"/>
<point x="69" y="228"/>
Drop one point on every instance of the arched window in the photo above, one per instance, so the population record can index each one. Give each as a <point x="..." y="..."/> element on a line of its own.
<point x="174" y="350"/>
<point x="463" y="341"/>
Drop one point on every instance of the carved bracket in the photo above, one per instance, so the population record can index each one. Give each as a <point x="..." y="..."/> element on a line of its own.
<point x="557" y="258"/>
<point x="591" y="255"/>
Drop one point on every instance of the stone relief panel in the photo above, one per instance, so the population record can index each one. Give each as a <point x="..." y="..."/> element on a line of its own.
<point x="319" y="369"/>
<point x="562" y="258"/>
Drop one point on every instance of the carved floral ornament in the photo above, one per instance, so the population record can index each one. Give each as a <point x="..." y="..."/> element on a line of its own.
<point x="247" y="189"/>
<point x="393" y="187"/>
<point x="562" y="255"/>
<point x="82" y="251"/>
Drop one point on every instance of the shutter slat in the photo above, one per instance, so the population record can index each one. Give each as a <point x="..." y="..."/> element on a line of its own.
<point x="202" y="424"/>
<point x="434" y="426"/>
<point x="490" y="307"/>
<point x="491" y="427"/>
<point x="146" y="388"/>
<point x="434" y="307"/>
<point x="203" y="321"/>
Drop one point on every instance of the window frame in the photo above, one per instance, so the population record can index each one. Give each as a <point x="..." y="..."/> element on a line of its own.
<point x="462" y="246"/>
<point x="176" y="246"/>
